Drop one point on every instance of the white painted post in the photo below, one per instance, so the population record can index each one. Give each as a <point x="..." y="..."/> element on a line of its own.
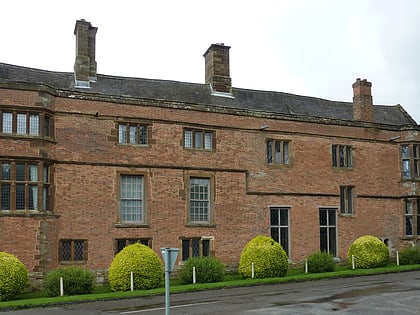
<point x="352" y="262"/>
<point x="398" y="259"/>
<point x="194" y="276"/>
<point x="132" y="281"/>
<point x="306" y="266"/>
<point x="252" y="270"/>
<point x="61" y="286"/>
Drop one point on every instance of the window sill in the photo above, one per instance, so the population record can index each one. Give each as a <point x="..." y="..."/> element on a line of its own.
<point x="208" y="225"/>
<point x="66" y="263"/>
<point x="28" y="213"/>
<point x="347" y="215"/>
<point x="131" y="225"/>
<point x="137" y="145"/>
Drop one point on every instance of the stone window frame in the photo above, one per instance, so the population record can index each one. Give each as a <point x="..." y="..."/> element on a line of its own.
<point x="43" y="183"/>
<point x="278" y="152"/>
<point x="347" y="200"/>
<point x="199" y="139"/>
<point x="45" y="122"/>
<point x="201" y="246"/>
<point x="73" y="259"/>
<point x="121" y="243"/>
<point x="142" y="133"/>
<point x="410" y="161"/>
<point x="412" y="217"/>
<point x="325" y="244"/>
<point x="342" y="156"/>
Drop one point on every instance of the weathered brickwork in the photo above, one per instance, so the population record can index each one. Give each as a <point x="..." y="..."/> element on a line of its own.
<point x="81" y="162"/>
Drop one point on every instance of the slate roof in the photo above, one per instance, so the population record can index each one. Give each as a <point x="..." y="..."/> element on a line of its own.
<point x="193" y="93"/>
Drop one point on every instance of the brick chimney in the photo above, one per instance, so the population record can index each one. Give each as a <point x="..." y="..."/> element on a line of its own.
<point x="217" y="68"/>
<point x="85" y="64"/>
<point x="362" y="101"/>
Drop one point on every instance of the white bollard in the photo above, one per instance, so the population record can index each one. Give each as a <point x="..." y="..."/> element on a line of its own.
<point x="352" y="262"/>
<point x="194" y="276"/>
<point x="306" y="266"/>
<point x="252" y="270"/>
<point x="398" y="259"/>
<point x="132" y="281"/>
<point x="61" y="286"/>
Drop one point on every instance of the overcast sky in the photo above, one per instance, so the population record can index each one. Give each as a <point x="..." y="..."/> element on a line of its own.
<point x="307" y="47"/>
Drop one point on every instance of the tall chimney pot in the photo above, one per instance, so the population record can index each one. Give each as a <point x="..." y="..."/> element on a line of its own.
<point x="362" y="100"/>
<point x="85" y="63"/>
<point x="217" y="68"/>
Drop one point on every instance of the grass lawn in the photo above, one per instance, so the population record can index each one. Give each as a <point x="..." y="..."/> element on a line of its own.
<point x="34" y="299"/>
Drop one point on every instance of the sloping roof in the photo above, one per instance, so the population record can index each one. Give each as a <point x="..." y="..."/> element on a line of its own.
<point x="193" y="93"/>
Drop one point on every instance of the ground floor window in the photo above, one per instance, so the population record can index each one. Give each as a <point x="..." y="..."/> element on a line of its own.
<point x="195" y="247"/>
<point x="73" y="250"/>
<point x="121" y="243"/>
<point x="279" y="226"/>
<point x="412" y="218"/>
<point x="328" y="230"/>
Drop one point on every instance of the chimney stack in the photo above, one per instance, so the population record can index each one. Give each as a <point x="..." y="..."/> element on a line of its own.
<point x="217" y="68"/>
<point x="362" y="101"/>
<point x="85" y="64"/>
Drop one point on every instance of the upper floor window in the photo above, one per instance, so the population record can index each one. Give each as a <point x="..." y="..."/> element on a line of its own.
<point x="131" y="199"/>
<point x="25" y="123"/>
<point x="199" y="139"/>
<point x="412" y="218"/>
<point x="346" y="200"/>
<point x="24" y="186"/>
<point x="341" y="156"/>
<point x="278" y="152"/>
<point x="410" y="157"/>
<point x="132" y="133"/>
<point x="199" y="200"/>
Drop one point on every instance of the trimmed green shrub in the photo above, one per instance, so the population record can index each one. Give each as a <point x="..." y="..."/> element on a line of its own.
<point x="13" y="276"/>
<point x="409" y="256"/>
<point x="269" y="258"/>
<point x="142" y="261"/>
<point x="369" y="252"/>
<point x="207" y="269"/>
<point x="75" y="281"/>
<point x="321" y="262"/>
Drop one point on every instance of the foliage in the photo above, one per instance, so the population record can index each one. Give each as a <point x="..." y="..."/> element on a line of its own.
<point x="369" y="252"/>
<point x="75" y="281"/>
<point x="142" y="261"/>
<point x="409" y="256"/>
<point x="269" y="258"/>
<point x="13" y="276"/>
<point x="321" y="262"/>
<point x="208" y="269"/>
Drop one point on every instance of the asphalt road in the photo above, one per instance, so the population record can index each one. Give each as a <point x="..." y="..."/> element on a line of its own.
<point x="397" y="294"/>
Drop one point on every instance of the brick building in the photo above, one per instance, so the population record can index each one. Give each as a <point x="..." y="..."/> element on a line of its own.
<point x="91" y="163"/>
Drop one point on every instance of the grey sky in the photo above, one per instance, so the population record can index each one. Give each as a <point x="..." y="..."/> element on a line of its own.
<point x="307" y="47"/>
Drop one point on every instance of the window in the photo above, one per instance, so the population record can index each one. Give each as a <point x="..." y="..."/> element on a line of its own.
<point x="73" y="251"/>
<point x="328" y="230"/>
<point x="131" y="199"/>
<point x="24" y="186"/>
<point x="199" y="200"/>
<point x="279" y="226"/>
<point x="412" y="217"/>
<point x="198" y="139"/>
<point x="341" y="156"/>
<point x="120" y="244"/>
<point x="195" y="247"/>
<point x="25" y="123"/>
<point x="346" y="200"/>
<point x="132" y="133"/>
<point x="278" y="152"/>
<point x="410" y="157"/>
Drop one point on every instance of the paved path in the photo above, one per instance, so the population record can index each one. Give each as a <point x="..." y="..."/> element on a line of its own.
<point x="388" y="294"/>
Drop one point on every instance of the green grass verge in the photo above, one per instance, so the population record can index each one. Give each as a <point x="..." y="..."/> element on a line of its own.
<point x="38" y="299"/>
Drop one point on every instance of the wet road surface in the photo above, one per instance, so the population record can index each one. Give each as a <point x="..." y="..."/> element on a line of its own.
<point x="397" y="294"/>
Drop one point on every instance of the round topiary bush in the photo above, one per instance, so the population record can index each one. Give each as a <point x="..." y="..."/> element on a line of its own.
<point x="142" y="261"/>
<point x="409" y="256"/>
<point x="75" y="281"/>
<point x="321" y="262"/>
<point x="207" y="269"/>
<point x="13" y="276"/>
<point x="269" y="258"/>
<point x="369" y="252"/>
